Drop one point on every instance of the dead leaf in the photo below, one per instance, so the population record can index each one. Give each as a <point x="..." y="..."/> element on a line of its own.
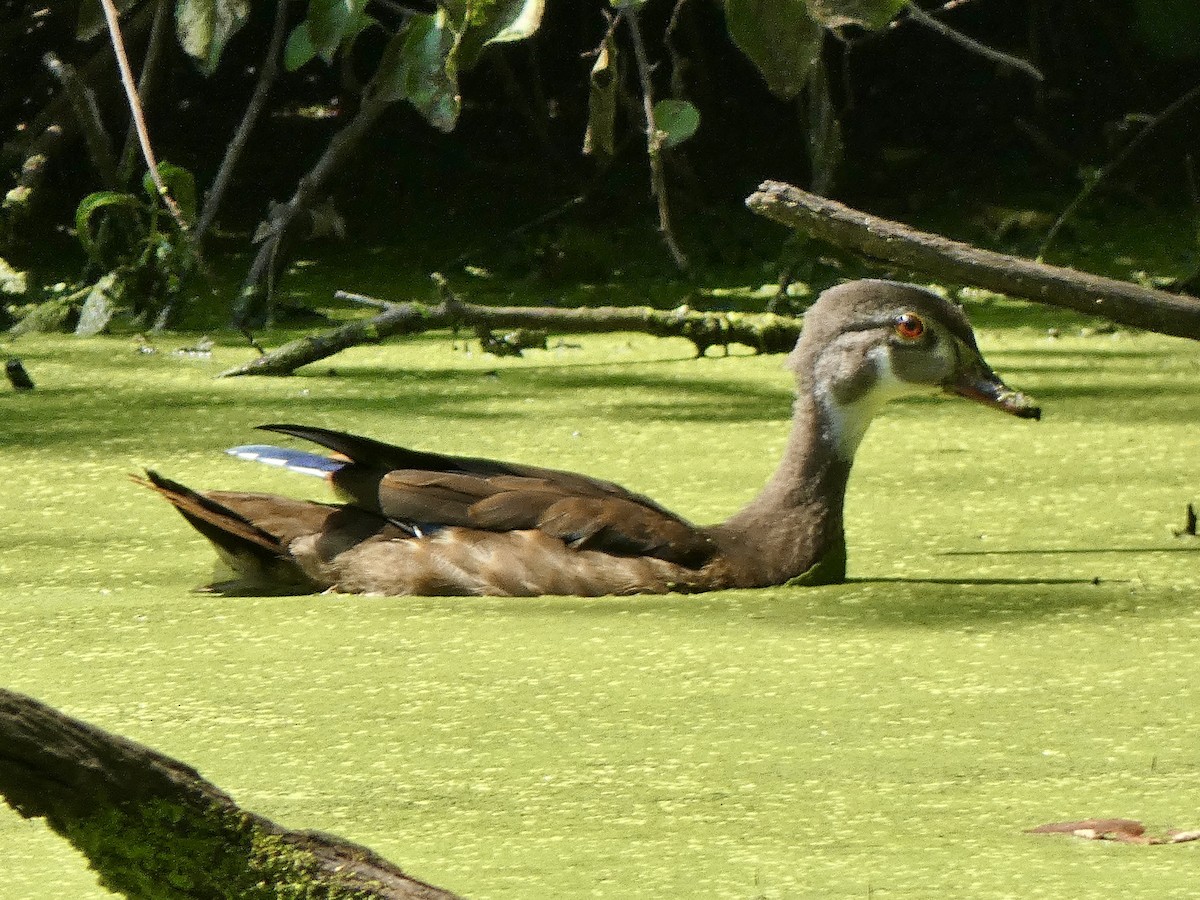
<point x="1126" y="831"/>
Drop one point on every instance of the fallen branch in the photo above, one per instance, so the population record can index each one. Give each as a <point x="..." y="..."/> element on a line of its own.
<point x="942" y="258"/>
<point x="1127" y="831"/>
<point x="151" y="827"/>
<point x="764" y="333"/>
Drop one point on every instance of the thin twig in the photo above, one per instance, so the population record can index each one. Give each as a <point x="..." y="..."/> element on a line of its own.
<point x="503" y="239"/>
<point x="139" y="118"/>
<point x="945" y="7"/>
<point x="673" y="51"/>
<point x="1106" y="172"/>
<point x="654" y="142"/>
<point x="1013" y="62"/>
<point x="159" y="30"/>
<point x="258" y="100"/>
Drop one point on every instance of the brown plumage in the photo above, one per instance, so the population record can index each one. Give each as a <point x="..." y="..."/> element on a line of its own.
<point x="412" y="522"/>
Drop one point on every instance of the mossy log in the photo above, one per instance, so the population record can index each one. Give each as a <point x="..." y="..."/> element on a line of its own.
<point x="942" y="258"/>
<point x="153" y="829"/>
<point x="764" y="333"/>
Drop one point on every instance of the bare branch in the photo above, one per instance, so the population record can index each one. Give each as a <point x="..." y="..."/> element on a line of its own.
<point x="139" y="118"/>
<point x="967" y="43"/>
<point x="258" y="100"/>
<point x="654" y="141"/>
<point x="87" y="116"/>
<point x="1105" y="173"/>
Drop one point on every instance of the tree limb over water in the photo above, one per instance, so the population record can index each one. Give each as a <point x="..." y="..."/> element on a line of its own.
<point x="944" y="259"/>
<point x="153" y="829"/>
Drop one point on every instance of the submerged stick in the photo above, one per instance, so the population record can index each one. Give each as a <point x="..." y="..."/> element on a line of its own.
<point x="940" y="257"/>
<point x="151" y="827"/>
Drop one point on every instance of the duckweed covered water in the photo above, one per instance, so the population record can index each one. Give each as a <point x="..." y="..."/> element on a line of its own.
<point x="1017" y="644"/>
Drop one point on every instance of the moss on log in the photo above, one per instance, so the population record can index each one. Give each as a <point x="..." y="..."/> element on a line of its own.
<point x="153" y="829"/>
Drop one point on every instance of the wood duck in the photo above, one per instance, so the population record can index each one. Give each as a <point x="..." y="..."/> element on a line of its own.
<point x="420" y="523"/>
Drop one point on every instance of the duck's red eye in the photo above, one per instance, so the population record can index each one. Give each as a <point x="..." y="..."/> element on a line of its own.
<point x="909" y="326"/>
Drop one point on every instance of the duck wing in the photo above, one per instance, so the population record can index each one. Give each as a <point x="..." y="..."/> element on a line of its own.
<point x="436" y="490"/>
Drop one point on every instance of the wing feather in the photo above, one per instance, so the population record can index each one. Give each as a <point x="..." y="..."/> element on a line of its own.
<point x="410" y="486"/>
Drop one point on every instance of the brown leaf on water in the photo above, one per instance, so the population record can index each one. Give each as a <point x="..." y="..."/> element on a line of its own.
<point x="1127" y="831"/>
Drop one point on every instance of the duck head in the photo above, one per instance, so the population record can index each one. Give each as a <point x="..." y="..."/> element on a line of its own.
<point x="870" y="341"/>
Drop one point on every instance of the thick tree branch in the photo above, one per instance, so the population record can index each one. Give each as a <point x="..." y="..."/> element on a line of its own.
<point x="764" y="333"/>
<point x="939" y="257"/>
<point x="153" y="829"/>
<point x="254" y="304"/>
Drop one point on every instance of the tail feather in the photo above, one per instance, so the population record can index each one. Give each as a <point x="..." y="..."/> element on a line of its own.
<point x="377" y="454"/>
<point x="255" y="555"/>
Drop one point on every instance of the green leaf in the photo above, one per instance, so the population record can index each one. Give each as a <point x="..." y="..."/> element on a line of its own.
<point x="677" y="118"/>
<point x="485" y="22"/>
<point x="514" y="20"/>
<point x="870" y="14"/>
<point x="205" y="26"/>
<point x="299" y="49"/>
<point x="424" y="70"/>
<point x="326" y="20"/>
<point x="180" y="183"/>
<point x="92" y="204"/>
<point x="334" y="23"/>
<point x="779" y="37"/>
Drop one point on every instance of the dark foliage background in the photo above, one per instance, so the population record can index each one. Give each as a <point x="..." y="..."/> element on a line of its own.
<point x="924" y="122"/>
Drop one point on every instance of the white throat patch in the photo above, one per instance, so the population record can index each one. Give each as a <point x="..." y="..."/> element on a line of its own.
<point x="847" y="422"/>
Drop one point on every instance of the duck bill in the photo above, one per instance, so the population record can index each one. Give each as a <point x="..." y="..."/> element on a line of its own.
<point x="986" y="388"/>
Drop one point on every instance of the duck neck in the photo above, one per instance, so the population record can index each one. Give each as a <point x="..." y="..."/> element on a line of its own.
<point x="794" y="528"/>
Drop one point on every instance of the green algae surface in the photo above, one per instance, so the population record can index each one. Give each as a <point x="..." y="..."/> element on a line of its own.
<point x="1016" y="645"/>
